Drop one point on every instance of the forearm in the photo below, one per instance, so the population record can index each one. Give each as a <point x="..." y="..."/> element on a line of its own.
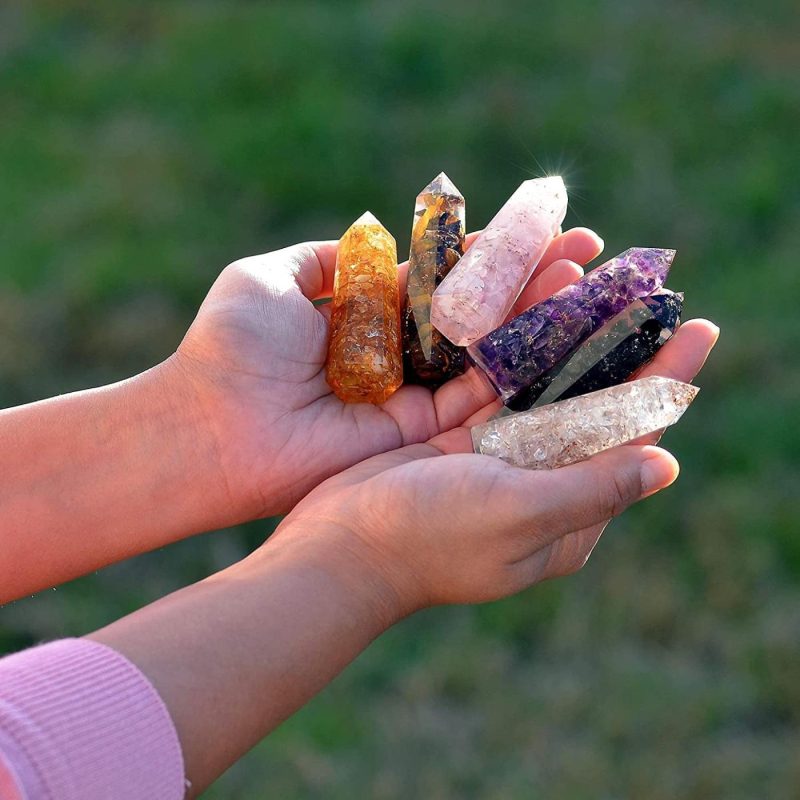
<point x="236" y="654"/>
<point x="96" y="476"/>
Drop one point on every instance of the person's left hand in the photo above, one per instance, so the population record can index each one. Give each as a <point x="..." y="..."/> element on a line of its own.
<point x="255" y="362"/>
<point x="434" y="523"/>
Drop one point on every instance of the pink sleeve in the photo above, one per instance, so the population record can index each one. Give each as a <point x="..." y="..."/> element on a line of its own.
<point x="78" y="721"/>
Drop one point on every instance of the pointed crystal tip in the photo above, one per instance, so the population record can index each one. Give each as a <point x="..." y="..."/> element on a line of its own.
<point x="441" y="185"/>
<point x="679" y="392"/>
<point x="553" y="182"/>
<point x="654" y="262"/>
<point x="653" y="252"/>
<point x="367" y="218"/>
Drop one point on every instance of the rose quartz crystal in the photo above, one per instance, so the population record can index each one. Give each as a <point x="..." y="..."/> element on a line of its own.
<point x="477" y="295"/>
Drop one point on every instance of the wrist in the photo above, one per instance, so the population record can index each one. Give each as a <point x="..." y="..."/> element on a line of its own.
<point x="338" y="557"/>
<point x="186" y="459"/>
<point x="203" y="403"/>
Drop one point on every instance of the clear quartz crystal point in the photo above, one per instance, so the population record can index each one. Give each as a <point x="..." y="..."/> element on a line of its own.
<point x="478" y="294"/>
<point x="571" y="430"/>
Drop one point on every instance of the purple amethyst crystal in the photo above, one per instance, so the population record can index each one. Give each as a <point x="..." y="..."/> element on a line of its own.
<point x="609" y="356"/>
<point x="516" y="354"/>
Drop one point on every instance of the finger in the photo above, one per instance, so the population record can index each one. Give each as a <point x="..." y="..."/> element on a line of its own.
<point x="311" y="265"/>
<point x="413" y="412"/>
<point x="580" y="245"/>
<point x="457" y="440"/>
<point x="552" y="503"/>
<point x="470" y="238"/>
<point x="563" y="557"/>
<point x="683" y="356"/>
<point x="461" y="397"/>
<point x="558" y="275"/>
<point x="571" y="552"/>
<point x="325" y="310"/>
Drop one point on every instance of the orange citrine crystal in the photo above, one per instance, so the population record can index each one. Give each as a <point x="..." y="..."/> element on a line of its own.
<point x="364" y="357"/>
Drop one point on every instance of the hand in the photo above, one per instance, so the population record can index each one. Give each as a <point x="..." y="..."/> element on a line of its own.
<point x="435" y="524"/>
<point x="255" y="360"/>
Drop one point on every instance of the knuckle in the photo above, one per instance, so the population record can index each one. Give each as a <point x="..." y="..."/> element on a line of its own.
<point x="618" y="491"/>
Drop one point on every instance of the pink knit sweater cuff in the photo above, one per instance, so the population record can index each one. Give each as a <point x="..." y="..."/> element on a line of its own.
<point x="78" y="721"/>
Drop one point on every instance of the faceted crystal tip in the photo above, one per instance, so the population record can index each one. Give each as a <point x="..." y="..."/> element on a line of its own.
<point x="552" y="184"/>
<point x="556" y="182"/>
<point x="668" y="390"/>
<point x="661" y="254"/>
<point x="668" y="254"/>
<point x="367" y="218"/>
<point x="441" y="185"/>
<point x="666" y="307"/>
<point x="651" y="262"/>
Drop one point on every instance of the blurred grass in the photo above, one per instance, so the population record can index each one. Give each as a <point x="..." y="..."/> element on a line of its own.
<point x="144" y="145"/>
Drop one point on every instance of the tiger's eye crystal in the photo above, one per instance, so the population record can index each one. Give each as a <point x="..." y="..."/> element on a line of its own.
<point x="364" y="358"/>
<point x="437" y="243"/>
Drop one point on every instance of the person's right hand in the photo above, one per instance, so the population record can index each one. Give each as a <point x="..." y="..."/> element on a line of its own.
<point x="253" y="368"/>
<point x="435" y="524"/>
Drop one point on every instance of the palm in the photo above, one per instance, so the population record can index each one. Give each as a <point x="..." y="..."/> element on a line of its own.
<point x="258" y="347"/>
<point x="441" y="494"/>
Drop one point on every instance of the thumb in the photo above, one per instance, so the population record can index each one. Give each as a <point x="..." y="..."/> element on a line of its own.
<point x="591" y="492"/>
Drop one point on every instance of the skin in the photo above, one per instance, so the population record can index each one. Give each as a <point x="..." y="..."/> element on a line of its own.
<point x="240" y="423"/>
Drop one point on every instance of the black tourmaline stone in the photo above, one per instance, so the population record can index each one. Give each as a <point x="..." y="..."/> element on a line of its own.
<point x="610" y="356"/>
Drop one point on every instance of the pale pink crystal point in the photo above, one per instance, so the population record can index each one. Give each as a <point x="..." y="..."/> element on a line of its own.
<point x="477" y="295"/>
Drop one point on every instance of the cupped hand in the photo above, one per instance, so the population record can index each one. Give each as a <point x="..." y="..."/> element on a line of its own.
<point x="436" y="524"/>
<point x="255" y="361"/>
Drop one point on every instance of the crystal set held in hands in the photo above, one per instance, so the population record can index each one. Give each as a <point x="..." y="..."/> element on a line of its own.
<point x="559" y="367"/>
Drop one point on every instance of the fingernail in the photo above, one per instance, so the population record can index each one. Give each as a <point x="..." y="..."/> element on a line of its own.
<point x="658" y="472"/>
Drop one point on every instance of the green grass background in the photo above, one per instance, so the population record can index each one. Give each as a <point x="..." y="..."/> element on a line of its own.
<point x="144" y="145"/>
